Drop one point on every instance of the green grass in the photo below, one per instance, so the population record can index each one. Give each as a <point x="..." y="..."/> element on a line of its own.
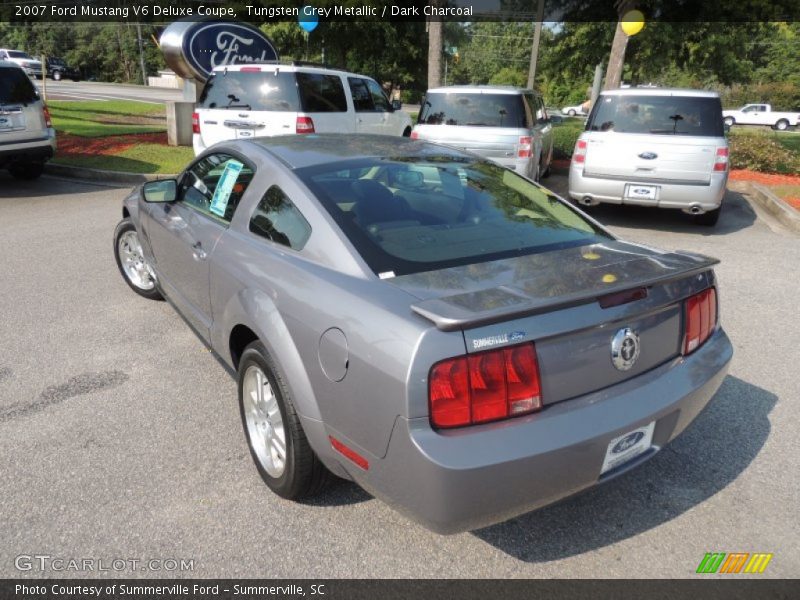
<point x="788" y="139"/>
<point x="98" y="119"/>
<point x="142" y="158"/>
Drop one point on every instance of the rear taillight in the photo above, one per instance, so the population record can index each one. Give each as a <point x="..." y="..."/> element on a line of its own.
<point x="304" y="125"/>
<point x="701" y="319"/>
<point x="46" y="115"/>
<point x="525" y="147"/>
<point x="486" y="386"/>
<point x="579" y="154"/>
<point x="195" y="123"/>
<point x="721" y="160"/>
<point x="414" y="135"/>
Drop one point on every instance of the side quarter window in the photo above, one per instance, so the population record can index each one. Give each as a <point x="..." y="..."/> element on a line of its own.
<point x="277" y="219"/>
<point x="214" y="185"/>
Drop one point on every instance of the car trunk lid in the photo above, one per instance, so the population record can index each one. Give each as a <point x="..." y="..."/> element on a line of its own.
<point x="649" y="157"/>
<point x="490" y="142"/>
<point x="571" y="303"/>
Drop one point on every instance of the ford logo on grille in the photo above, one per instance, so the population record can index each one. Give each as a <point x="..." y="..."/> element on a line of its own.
<point x="629" y="441"/>
<point x="648" y="155"/>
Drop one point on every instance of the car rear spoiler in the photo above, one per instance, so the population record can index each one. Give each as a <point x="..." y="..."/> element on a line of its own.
<point x="484" y="307"/>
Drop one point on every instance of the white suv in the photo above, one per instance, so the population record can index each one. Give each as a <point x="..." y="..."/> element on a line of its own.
<point x="27" y="137"/>
<point x="257" y="100"/>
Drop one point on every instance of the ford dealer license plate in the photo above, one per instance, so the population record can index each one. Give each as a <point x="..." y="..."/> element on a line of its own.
<point x="628" y="446"/>
<point x="641" y="192"/>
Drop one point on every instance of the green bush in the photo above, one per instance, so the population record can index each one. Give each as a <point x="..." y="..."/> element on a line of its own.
<point x="564" y="138"/>
<point x="760" y="152"/>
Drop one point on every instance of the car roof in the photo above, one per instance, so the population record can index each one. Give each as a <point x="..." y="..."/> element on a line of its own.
<point x="661" y="92"/>
<point x="480" y="89"/>
<point x="308" y="150"/>
<point x="288" y="67"/>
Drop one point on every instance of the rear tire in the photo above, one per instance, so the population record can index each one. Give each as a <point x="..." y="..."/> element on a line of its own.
<point x="571" y="112"/>
<point x="729" y="121"/>
<point x="57" y="76"/>
<point x="26" y="171"/>
<point x="708" y="219"/>
<point x="782" y="125"/>
<point x="298" y="473"/>
<point x="407" y="132"/>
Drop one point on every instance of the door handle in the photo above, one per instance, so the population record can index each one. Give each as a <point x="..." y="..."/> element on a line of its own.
<point x="198" y="252"/>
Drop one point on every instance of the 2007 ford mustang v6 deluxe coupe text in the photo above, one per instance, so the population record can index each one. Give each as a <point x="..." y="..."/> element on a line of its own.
<point x="456" y="339"/>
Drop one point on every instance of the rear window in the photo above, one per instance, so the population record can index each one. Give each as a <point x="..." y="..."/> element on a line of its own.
<point x="18" y="54"/>
<point x="267" y="91"/>
<point x="409" y="214"/>
<point x="321" y="93"/>
<point x="663" y="115"/>
<point x="474" y="110"/>
<point x="15" y="87"/>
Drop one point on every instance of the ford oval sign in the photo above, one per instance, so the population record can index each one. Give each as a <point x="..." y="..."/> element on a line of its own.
<point x="194" y="48"/>
<point x="648" y="155"/>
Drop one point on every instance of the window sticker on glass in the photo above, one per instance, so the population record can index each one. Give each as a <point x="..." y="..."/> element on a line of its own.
<point x="219" y="202"/>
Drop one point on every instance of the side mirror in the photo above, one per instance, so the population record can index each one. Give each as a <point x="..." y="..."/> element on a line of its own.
<point x="165" y="190"/>
<point x="397" y="105"/>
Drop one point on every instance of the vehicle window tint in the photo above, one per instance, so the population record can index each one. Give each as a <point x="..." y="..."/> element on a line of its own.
<point x="489" y="110"/>
<point x="238" y="90"/>
<point x="15" y="87"/>
<point x="277" y="219"/>
<point x="362" y="99"/>
<point x="214" y="185"/>
<point x="667" y="115"/>
<point x="379" y="99"/>
<point x="321" y="93"/>
<point x="18" y="54"/>
<point x="415" y="214"/>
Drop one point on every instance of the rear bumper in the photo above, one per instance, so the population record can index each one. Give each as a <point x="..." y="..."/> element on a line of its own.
<point x="681" y="196"/>
<point x="465" y="479"/>
<point x="37" y="150"/>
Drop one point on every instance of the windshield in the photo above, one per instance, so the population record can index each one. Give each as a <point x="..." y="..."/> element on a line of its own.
<point x="667" y="115"/>
<point x="18" y="54"/>
<point x="408" y="215"/>
<point x="15" y="87"/>
<point x="270" y="91"/>
<point x="476" y="110"/>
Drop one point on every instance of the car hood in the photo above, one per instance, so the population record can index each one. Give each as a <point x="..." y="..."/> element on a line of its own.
<point x="479" y="294"/>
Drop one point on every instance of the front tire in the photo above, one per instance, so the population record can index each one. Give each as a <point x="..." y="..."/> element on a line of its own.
<point x="26" y="171"/>
<point x="57" y="76"/>
<point x="132" y="264"/>
<point x="571" y="112"/>
<point x="272" y="428"/>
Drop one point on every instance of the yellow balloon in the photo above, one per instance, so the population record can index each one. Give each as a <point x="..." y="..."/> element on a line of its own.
<point x="632" y="22"/>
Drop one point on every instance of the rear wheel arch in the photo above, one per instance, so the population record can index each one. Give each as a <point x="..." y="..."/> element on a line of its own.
<point x="241" y="336"/>
<point x="407" y="132"/>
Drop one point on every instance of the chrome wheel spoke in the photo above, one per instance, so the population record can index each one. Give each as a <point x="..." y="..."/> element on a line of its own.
<point x="264" y="422"/>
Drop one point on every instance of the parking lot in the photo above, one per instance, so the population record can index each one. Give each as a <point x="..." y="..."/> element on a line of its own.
<point x="120" y="434"/>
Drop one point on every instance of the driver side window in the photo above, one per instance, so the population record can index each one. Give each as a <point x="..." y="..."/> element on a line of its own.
<point x="214" y="186"/>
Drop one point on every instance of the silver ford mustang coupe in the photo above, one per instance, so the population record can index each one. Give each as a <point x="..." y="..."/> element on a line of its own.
<point x="456" y="339"/>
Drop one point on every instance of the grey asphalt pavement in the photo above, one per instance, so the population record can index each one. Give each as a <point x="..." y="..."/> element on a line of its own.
<point x="120" y="434"/>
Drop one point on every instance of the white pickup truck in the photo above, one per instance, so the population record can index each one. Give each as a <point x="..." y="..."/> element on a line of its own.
<point x="760" y="114"/>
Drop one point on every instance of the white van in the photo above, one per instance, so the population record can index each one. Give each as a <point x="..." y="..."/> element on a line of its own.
<point x="27" y="137"/>
<point x="257" y="100"/>
<point x="664" y="148"/>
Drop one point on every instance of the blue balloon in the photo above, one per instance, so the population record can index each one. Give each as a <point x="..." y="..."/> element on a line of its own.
<point x="308" y="22"/>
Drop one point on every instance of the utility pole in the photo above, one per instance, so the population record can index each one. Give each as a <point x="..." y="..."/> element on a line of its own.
<point x="434" y="50"/>
<point x="537" y="33"/>
<point x="141" y="53"/>
<point x="616" y="61"/>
